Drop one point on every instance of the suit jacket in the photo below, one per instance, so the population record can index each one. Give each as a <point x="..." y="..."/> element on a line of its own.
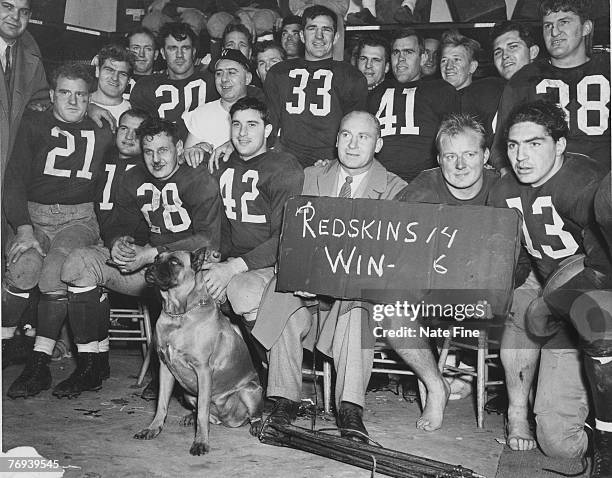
<point x="29" y="84"/>
<point x="277" y="307"/>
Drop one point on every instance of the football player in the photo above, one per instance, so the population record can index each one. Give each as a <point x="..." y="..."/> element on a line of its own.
<point x="141" y="42"/>
<point x="373" y="60"/>
<point x="513" y="47"/>
<point x="115" y="66"/>
<point x="431" y="67"/>
<point x="255" y="183"/>
<point x="159" y="206"/>
<point x="267" y="54"/>
<point x="459" y="62"/>
<point x="460" y="179"/>
<point x="308" y="97"/>
<point x="554" y="190"/>
<point x="290" y="38"/>
<point x="181" y="88"/>
<point x="573" y="77"/>
<point x="410" y="109"/>
<point x="49" y="194"/>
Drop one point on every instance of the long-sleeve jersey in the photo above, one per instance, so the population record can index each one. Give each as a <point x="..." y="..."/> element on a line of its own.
<point x="558" y="216"/>
<point x="182" y="213"/>
<point x="410" y="114"/>
<point x="254" y="194"/>
<point x="307" y="100"/>
<point x="584" y="94"/>
<point x="160" y="96"/>
<point x="53" y="162"/>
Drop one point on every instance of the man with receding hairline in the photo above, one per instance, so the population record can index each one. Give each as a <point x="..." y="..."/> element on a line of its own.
<point x="285" y="325"/>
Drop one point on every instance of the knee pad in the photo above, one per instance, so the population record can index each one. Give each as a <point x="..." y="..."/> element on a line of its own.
<point x="76" y="269"/>
<point x="560" y="442"/>
<point x="591" y="315"/>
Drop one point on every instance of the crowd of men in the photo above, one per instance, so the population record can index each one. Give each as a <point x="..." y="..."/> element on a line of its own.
<point x="101" y="172"/>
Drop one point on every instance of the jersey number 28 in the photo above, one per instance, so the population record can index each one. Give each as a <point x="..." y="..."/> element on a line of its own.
<point x="169" y="199"/>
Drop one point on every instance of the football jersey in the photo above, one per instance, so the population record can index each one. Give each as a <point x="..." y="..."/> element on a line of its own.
<point x="307" y="100"/>
<point x="53" y="162"/>
<point x="556" y="213"/>
<point x="181" y="213"/>
<point x="160" y="96"/>
<point x="584" y="94"/>
<point x="409" y="116"/>
<point x="115" y="169"/>
<point x="430" y="187"/>
<point x="254" y="194"/>
<point x="481" y="99"/>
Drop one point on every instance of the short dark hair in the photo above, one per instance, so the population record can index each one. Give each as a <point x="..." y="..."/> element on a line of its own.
<point x="456" y="123"/>
<point x="317" y="11"/>
<point x="73" y="71"/>
<point x="542" y="112"/>
<point x="248" y="103"/>
<point x="291" y="20"/>
<point x="179" y="31"/>
<point x="237" y="27"/>
<point x="453" y="38"/>
<point x="116" y="53"/>
<point x="140" y="30"/>
<point x="523" y="31"/>
<point x="374" y="40"/>
<point x="263" y="46"/>
<point x="407" y="33"/>
<point x="153" y="126"/>
<point x="582" y="8"/>
<point x="135" y="113"/>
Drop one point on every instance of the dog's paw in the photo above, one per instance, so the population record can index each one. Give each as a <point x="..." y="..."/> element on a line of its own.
<point x="199" y="448"/>
<point x="256" y="426"/>
<point x="188" y="420"/>
<point x="148" y="433"/>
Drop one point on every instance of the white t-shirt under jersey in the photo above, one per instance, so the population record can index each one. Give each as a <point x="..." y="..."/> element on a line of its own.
<point x="209" y="123"/>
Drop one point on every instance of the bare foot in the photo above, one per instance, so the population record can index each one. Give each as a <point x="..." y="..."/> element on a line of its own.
<point x="433" y="413"/>
<point x="519" y="436"/>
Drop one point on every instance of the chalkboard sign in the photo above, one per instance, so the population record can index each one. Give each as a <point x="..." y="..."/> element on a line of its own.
<point x="388" y="251"/>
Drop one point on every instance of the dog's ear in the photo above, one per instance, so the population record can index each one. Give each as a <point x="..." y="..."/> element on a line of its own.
<point x="198" y="258"/>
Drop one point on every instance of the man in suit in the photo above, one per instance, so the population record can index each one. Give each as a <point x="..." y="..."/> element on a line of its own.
<point x="284" y="325"/>
<point x="24" y="78"/>
<point x="23" y="82"/>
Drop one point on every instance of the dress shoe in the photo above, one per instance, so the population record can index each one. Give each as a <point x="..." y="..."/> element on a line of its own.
<point x="350" y="423"/>
<point x="284" y="412"/>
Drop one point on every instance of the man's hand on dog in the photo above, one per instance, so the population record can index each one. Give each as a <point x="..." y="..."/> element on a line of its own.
<point x="129" y="257"/>
<point x="218" y="275"/>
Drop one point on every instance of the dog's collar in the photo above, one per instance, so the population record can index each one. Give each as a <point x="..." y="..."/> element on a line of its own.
<point x="200" y="303"/>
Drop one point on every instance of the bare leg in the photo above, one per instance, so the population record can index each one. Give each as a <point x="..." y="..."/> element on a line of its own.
<point x="519" y="356"/>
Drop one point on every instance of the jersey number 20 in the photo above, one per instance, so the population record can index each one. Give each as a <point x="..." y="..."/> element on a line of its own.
<point x="195" y="88"/>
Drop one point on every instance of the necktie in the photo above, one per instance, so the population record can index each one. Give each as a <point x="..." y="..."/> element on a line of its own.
<point x="345" y="190"/>
<point x="7" y="67"/>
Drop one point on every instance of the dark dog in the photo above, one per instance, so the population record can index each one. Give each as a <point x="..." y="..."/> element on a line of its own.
<point x="199" y="347"/>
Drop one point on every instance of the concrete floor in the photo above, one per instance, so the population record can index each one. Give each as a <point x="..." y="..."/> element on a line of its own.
<point x="91" y="436"/>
